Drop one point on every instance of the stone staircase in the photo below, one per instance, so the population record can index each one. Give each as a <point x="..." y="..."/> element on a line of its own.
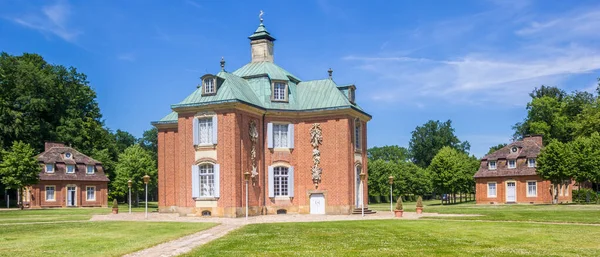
<point x="359" y="211"/>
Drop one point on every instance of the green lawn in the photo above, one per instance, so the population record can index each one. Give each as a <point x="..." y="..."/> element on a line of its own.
<point x="90" y="238"/>
<point x="525" y="212"/>
<point x="406" y="238"/>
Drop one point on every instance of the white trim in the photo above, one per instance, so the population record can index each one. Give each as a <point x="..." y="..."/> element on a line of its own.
<point x="506" y="191"/>
<point x="87" y="196"/>
<point x="46" y="167"/>
<point x="87" y="169"/>
<point x="534" y="163"/>
<point x="527" y="189"/>
<point x="508" y="164"/>
<point x="495" y="165"/>
<point x="495" y="189"/>
<point x="67" y="195"/>
<point x="53" y="193"/>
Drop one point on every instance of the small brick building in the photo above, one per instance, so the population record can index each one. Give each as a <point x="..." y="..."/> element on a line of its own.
<point x="302" y="143"/>
<point x="508" y="175"/>
<point x="68" y="178"/>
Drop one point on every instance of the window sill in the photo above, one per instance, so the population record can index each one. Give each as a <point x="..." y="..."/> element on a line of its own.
<point x="282" y="198"/>
<point x="205" y="147"/>
<point x="531" y="196"/>
<point x="279" y="101"/>
<point x="281" y="149"/>
<point x="206" y="198"/>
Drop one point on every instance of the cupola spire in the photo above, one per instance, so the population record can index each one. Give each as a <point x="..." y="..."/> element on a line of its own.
<point x="261" y="43"/>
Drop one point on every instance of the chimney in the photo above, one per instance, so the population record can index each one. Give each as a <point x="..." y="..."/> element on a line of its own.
<point x="48" y="145"/>
<point x="537" y="139"/>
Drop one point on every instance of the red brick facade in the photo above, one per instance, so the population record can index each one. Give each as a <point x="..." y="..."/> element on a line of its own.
<point x="37" y="196"/>
<point x="338" y="160"/>
<point x="543" y="195"/>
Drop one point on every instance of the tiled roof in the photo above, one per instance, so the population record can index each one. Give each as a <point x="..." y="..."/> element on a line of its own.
<point x="170" y="118"/>
<point x="525" y="149"/>
<point x="55" y="155"/>
<point x="270" y="69"/>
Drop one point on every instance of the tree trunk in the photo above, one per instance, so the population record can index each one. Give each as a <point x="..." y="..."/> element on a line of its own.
<point x="21" y="198"/>
<point x="137" y="199"/>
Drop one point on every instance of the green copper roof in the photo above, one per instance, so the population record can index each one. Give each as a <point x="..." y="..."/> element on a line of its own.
<point x="170" y="118"/>
<point x="270" y="69"/>
<point x="261" y="33"/>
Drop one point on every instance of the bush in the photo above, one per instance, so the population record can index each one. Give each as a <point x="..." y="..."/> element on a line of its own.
<point x="399" y="204"/>
<point x="115" y="204"/>
<point x="585" y="195"/>
<point x="420" y="202"/>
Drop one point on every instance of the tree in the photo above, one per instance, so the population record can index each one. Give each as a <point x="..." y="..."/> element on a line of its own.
<point x="388" y="153"/>
<point x="496" y="148"/>
<point x="452" y="171"/>
<point x="428" y="139"/>
<point x="124" y="139"/>
<point x="149" y="141"/>
<point x="19" y="168"/>
<point x="555" y="164"/>
<point x="586" y="158"/>
<point x="41" y="101"/>
<point x="133" y="164"/>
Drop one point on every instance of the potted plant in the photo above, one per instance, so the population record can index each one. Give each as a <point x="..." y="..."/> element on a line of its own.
<point x="419" y="205"/>
<point x="115" y="208"/>
<point x="399" y="210"/>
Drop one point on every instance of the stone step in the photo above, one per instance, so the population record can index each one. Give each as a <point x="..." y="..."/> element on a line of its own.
<point x="359" y="211"/>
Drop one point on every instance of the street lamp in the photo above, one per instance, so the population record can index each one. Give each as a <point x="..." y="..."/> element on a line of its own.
<point x="391" y="178"/>
<point x="129" y="182"/>
<point x="246" y="178"/>
<point x="146" y="180"/>
<point x="362" y="197"/>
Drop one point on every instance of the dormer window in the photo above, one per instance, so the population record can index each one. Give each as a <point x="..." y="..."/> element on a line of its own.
<point x="280" y="92"/>
<point x="514" y="149"/>
<point x="90" y="169"/>
<point x="492" y="165"/>
<point x="70" y="169"/>
<point x="209" y="85"/>
<point x="68" y="155"/>
<point x="351" y="95"/>
<point x="49" y="168"/>
<point x="512" y="164"/>
<point x="531" y="162"/>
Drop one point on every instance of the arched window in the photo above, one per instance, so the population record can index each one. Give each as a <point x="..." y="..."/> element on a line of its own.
<point x="281" y="179"/>
<point x="207" y="180"/>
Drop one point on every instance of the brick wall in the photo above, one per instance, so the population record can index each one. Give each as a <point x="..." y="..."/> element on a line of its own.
<point x="38" y="194"/>
<point x="544" y="194"/>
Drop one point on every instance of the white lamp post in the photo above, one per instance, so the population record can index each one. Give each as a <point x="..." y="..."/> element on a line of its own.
<point x="391" y="178"/>
<point x="129" y="182"/>
<point x="362" y="197"/>
<point x="246" y="178"/>
<point x="146" y="180"/>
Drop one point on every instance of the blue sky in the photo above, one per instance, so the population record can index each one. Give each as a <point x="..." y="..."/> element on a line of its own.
<point x="469" y="61"/>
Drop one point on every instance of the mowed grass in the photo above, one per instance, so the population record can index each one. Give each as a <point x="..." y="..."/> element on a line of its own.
<point x="90" y="238"/>
<point x="562" y="213"/>
<point x="406" y="238"/>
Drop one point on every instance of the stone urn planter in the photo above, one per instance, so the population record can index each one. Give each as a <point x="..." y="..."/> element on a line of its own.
<point x="399" y="209"/>
<point x="419" y="210"/>
<point x="115" y="207"/>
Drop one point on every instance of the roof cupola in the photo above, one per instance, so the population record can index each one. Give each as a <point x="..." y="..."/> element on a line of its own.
<point x="261" y="43"/>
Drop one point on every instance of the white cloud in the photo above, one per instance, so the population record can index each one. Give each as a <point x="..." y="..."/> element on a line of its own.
<point x="50" y="19"/>
<point x="480" y="69"/>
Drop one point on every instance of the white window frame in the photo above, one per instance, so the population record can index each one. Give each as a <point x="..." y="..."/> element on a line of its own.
<point x="357" y="135"/>
<point x="49" y="165"/>
<point x="509" y="166"/>
<point x="280" y="94"/>
<point x="495" y="189"/>
<point x="490" y="165"/>
<point x="87" y="169"/>
<point x="69" y="157"/>
<point x="535" y="185"/>
<point x="212" y="87"/>
<point x="529" y="162"/>
<point x="207" y="121"/>
<point x="67" y="169"/>
<point x="206" y="180"/>
<point x="53" y="193"/>
<point x="87" y="195"/>
<point x="279" y="129"/>
<point x="281" y="182"/>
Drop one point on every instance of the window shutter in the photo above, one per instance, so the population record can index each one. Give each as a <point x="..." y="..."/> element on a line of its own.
<point x="195" y="131"/>
<point x="291" y="182"/>
<point x="195" y="181"/>
<point x="271" y="182"/>
<point x="291" y="135"/>
<point x="214" y="129"/>
<point x="270" y="134"/>
<point x="217" y="169"/>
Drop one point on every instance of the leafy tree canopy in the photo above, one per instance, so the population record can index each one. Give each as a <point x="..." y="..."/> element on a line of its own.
<point x="19" y="168"/>
<point x="134" y="163"/>
<point x="428" y="139"/>
<point x="388" y="153"/>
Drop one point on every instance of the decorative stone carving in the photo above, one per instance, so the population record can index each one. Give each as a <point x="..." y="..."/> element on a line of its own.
<point x="316" y="139"/>
<point x="253" y="132"/>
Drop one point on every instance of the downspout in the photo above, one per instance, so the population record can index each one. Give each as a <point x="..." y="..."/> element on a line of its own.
<point x="263" y="164"/>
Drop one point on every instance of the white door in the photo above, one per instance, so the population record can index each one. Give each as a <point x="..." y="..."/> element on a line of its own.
<point x="317" y="204"/>
<point x="70" y="196"/>
<point x="511" y="192"/>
